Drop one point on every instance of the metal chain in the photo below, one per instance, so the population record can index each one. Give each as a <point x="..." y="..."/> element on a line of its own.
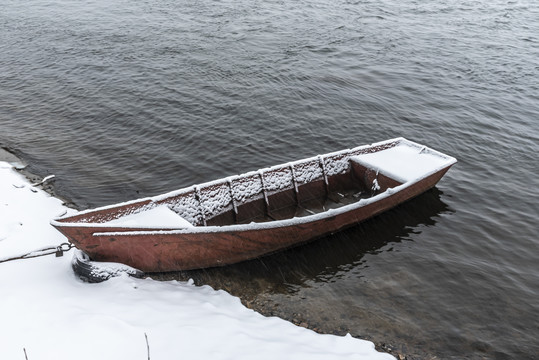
<point x="58" y="250"/>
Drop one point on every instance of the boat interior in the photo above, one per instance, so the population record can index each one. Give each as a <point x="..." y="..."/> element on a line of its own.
<point x="280" y="193"/>
<point x="296" y="189"/>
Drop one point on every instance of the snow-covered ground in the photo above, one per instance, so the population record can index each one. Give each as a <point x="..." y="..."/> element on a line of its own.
<point x="48" y="312"/>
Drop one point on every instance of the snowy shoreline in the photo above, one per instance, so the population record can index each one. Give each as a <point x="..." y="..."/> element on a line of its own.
<point x="51" y="314"/>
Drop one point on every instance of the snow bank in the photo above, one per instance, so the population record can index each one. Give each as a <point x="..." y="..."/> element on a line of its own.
<point x="46" y="310"/>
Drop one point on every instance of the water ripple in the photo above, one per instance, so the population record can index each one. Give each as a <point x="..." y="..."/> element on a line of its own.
<point x="126" y="99"/>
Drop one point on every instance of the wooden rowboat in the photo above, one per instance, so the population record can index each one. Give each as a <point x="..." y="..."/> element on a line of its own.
<point x="246" y="216"/>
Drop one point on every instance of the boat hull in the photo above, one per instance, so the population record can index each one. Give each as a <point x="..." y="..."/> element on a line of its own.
<point x="158" y="250"/>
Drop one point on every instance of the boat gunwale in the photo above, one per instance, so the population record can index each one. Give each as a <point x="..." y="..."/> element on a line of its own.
<point x="295" y="221"/>
<point x="148" y="230"/>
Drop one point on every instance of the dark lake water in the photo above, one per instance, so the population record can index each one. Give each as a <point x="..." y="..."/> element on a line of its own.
<point x="122" y="99"/>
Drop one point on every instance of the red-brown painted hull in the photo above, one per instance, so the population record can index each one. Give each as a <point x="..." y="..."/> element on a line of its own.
<point x="154" y="251"/>
<point x="250" y="215"/>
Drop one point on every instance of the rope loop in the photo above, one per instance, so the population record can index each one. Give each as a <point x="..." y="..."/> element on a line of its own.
<point x="64" y="247"/>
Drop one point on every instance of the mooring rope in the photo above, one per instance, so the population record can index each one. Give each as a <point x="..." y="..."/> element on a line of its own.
<point x="57" y="250"/>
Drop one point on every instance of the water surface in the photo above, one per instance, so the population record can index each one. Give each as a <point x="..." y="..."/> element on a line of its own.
<point x="122" y="99"/>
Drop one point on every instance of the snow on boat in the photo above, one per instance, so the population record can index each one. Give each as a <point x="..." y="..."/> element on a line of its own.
<point x="250" y="215"/>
